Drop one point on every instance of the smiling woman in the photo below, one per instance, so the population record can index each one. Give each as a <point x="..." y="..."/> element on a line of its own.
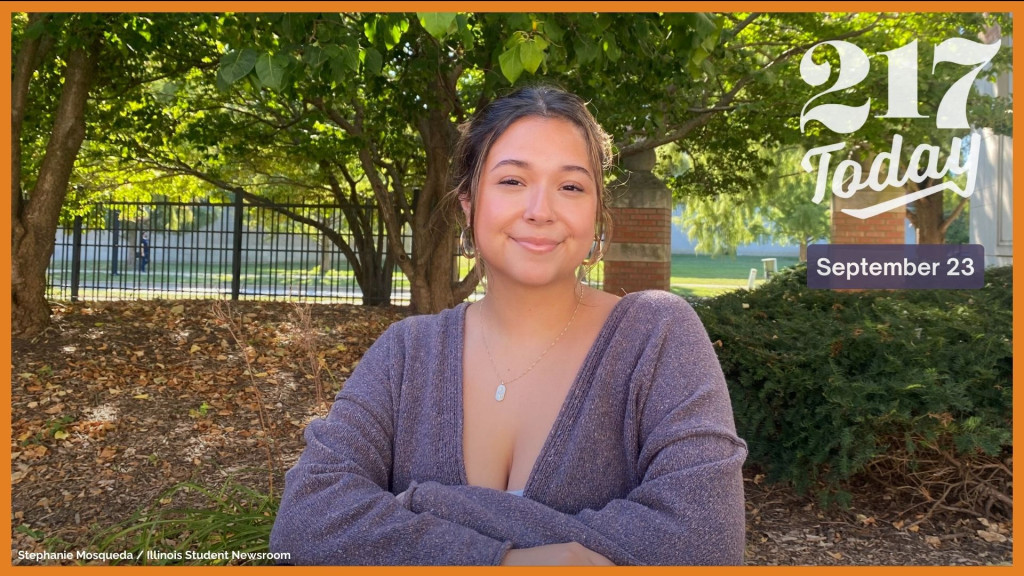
<point x="533" y="221"/>
<point x="547" y="423"/>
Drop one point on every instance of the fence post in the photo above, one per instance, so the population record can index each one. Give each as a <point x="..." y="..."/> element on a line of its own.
<point x="236" y="249"/>
<point x="116" y="231"/>
<point x="76" y="257"/>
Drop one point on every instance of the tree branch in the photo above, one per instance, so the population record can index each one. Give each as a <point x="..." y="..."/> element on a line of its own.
<point x="723" y="103"/>
<point x="953" y="216"/>
<point x="26" y="61"/>
<point x="735" y="30"/>
<point x="360" y="216"/>
<point x="180" y="167"/>
<point x="335" y="116"/>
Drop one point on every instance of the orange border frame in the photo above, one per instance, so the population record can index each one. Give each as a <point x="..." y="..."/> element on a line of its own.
<point x="484" y="6"/>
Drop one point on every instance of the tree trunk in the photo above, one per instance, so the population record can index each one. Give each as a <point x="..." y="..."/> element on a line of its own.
<point x="803" y="250"/>
<point x="433" y="282"/>
<point x="34" y="221"/>
<point x="927" y="217"/>
<point x="430" y="266"/>
<point x="378" y="270"/>
<point x="434" y="265"/>
<point x="24" y="65"/>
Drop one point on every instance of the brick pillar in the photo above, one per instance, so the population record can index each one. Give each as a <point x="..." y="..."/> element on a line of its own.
<point x="640" y="255"/>
<point x="885" y="228"/>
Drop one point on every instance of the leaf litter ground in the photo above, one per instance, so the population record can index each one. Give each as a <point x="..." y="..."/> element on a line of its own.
<point x="119" y="401"/>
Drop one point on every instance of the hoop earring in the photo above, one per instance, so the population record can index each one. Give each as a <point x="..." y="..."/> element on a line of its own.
<point x="582" y="273"/>
<point x="466" y="247"/>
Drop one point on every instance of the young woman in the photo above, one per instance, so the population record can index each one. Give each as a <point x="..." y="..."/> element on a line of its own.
<point x="547" y="423"/>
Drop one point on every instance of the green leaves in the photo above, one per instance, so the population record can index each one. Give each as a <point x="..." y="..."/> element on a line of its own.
<point x="386" y="28"/>
<point x="166" y="92"/>
<point x="236" y="64"/>
<point x="586" y="52"/>
<point x="437" y="24"/>
<point x="531" y="54"/>
<point x="373" y="60"/>
<point x="343" y="59"/>
<point x="704" y="37"/>
<point x="525" y="52"/>
<point x="271" y="69"/>
<point x="393" y="33"/>
<point x="611" y="49"/>
<point x="314" y="56"/>
<point x="511" y="67"/>
<point x="323" y="48"/>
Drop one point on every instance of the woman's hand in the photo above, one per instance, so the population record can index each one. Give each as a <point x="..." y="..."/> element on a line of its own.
<point x="566" y="554"/>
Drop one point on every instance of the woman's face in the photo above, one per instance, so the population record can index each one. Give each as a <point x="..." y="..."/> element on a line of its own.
<point x="536" y="203"/>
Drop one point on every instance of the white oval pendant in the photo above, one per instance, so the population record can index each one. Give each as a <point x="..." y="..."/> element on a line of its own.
<point x="499" y="394"/>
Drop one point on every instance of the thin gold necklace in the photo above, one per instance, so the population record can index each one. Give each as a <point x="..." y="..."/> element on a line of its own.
<point x="499" y="394"/>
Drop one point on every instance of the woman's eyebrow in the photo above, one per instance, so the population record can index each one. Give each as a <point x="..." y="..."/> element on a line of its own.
<point x="523" y="164"/>
<point x="510" y="162"/>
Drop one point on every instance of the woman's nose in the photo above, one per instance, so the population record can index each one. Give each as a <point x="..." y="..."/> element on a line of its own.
<point x="538" y="206"/>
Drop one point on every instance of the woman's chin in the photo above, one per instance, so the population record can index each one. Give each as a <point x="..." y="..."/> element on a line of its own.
<point x="535" y="278"/>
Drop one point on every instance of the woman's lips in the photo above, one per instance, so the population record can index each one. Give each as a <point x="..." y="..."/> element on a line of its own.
<point x="537" y="245"/>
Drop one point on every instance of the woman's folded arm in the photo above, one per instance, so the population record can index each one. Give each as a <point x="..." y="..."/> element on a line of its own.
<point x="336" y="507"/>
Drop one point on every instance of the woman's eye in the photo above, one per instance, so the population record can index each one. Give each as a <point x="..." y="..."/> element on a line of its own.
<point x="510" y="182"/>
<point x="572" y="188"/>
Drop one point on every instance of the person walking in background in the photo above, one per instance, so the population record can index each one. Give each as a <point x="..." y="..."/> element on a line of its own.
<point x="143" y="253"/>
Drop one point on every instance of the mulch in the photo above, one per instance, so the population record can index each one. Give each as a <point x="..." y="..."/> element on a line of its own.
<point x="119" y="401"/>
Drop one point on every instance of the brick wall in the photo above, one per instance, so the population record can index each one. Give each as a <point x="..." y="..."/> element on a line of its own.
<point x="886" y="228"/>
<point x="645" y="234"/>
<point x="643" y="225"/>
<point x="640" y="255"/>
<point x="625" y="277"/>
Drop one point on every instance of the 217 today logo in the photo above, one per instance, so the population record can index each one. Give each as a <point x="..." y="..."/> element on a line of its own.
<point x="924" y="162"/>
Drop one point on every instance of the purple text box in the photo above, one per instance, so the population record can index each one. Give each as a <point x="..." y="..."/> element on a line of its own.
<point x="896" y="266"/>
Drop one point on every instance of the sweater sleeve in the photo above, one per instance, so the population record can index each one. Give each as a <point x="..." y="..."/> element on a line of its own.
<point x="688" y="506"/>
<point x="336" y="507"/>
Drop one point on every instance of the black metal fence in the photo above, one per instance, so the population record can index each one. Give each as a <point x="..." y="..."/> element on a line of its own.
<point x="209" y="250"/>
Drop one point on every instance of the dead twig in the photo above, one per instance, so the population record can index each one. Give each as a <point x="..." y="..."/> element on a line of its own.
<point x="941" y="479"/>
<point x="307" y="341"/>
<point x="235" y="326"/>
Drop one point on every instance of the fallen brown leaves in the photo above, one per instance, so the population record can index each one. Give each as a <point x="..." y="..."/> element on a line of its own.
<point x="786" y="529"/>
<point x="120" y="401"/>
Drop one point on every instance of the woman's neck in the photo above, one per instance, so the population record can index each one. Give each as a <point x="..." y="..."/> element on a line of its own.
<point x="526" y="312"/>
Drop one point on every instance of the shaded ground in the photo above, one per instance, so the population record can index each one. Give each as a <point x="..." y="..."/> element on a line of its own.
<point x="120" y="401"/>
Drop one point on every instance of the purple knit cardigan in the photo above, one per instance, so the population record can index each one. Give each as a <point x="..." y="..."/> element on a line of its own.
<point x="642" y="464"/>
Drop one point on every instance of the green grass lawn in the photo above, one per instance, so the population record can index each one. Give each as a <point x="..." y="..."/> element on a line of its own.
<point x="704" y="276"/>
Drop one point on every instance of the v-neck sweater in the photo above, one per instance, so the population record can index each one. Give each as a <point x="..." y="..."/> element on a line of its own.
<point x="642" y="463"/>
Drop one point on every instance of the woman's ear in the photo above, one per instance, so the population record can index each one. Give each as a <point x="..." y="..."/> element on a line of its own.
<point x="467" y="209"/>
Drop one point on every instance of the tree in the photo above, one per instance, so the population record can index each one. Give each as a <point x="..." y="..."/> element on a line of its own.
<point x="789" y="218"/>
<point x="348" y="106"/>
<point x="397" y="85"/>
<point x="36" y="197"/>
<point x="914" y="38"/>
<point x="60" y="95"/>
<point x="275" y="146"/>
<point x="272" y="151"/>
<point x="735" y="168"/>
<point x="373" y="101"/>
<point x="778" y="211"/>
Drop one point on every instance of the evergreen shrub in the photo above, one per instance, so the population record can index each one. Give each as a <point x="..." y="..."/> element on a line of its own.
<point x="829" y="384"/>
